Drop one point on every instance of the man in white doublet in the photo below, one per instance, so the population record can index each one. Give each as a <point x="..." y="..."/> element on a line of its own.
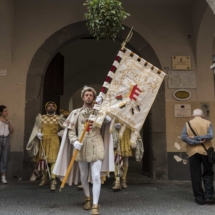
<point x="92" y="150"/>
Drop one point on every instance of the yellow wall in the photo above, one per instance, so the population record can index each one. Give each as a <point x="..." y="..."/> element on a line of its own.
<point x="164" y="27"/>
<point x="204" y="93"/>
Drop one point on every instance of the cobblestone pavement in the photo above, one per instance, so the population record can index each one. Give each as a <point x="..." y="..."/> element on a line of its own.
<point x="143" y="196"/>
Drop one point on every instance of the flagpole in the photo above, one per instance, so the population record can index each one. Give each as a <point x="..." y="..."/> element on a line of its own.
<point x="73" y="157"/>
<point x="108" y="80"/>
<point x="128" y="38"/>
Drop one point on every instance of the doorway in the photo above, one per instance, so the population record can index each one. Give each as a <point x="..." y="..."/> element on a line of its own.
<point x="53" y="86"/>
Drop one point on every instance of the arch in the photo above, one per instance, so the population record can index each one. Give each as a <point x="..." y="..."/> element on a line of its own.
<point x="156" y="131"/>
<point x="204" y="52"/>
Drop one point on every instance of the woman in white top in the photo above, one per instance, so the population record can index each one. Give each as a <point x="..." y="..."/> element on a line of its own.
<point x="5" y="129"/>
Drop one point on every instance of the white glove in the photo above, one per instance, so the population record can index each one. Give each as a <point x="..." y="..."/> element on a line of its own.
<point x="107" y="119"/>
<point x="77" y="145"/>
<point x="134" y="146"/>
<point x="40" y="136"/>
<point x="99" y="100"/>
<point x="60" y="133"/>
<point x="118" y="125"/>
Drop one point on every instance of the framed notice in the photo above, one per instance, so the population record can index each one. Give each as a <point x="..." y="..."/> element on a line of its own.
<point x="182" y="110"/>
<point x="181" y="63"/>
<point x="182" y="79"/>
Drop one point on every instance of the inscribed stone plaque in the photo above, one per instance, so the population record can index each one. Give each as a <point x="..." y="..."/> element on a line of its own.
<point x="182" y="79"/>
<point x="181" y="63"/>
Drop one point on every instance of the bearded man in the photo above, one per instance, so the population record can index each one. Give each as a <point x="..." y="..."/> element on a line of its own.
<point x="44" y="142"/>
<point x="93" y="151"/>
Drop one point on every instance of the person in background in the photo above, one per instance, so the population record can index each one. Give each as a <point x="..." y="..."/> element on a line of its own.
<point x="123" y="150"/>
<point x="196" y="133"/>
<point x="6" y="128"/>
<point x="44" y="142"/>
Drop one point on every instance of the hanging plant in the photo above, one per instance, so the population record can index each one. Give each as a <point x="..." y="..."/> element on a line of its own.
<point x="105" y="18"/>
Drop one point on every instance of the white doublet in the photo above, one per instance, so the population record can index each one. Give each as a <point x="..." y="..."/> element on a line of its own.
<point x="93" y="147"/>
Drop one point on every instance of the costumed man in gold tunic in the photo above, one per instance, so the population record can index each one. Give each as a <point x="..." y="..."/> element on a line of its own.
<point x="44" y="142"/>
<point x="122" y="151"/>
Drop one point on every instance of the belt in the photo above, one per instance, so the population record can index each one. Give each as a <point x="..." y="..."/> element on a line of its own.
<point x="2" y="136"/>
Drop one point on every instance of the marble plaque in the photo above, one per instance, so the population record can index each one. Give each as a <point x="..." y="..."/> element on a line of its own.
<point x="182" y="79"/>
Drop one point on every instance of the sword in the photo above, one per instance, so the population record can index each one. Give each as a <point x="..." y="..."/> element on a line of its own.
<point x="44" y="156"/>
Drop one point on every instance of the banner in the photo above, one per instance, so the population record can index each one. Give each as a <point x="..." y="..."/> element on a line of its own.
<point x="132" y="89"/>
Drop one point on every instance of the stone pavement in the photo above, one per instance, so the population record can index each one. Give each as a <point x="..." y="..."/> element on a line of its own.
<point x="144" y="196"/>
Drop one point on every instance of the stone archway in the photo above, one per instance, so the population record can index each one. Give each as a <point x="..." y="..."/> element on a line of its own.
<point x="156" y="133"/>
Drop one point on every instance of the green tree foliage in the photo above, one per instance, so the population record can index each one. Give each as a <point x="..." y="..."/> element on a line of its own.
<point x="104" y="18"/>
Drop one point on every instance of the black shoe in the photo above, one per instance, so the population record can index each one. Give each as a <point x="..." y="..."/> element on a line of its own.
<point x="210" y="201"/>
<point x="200" y="202"/>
